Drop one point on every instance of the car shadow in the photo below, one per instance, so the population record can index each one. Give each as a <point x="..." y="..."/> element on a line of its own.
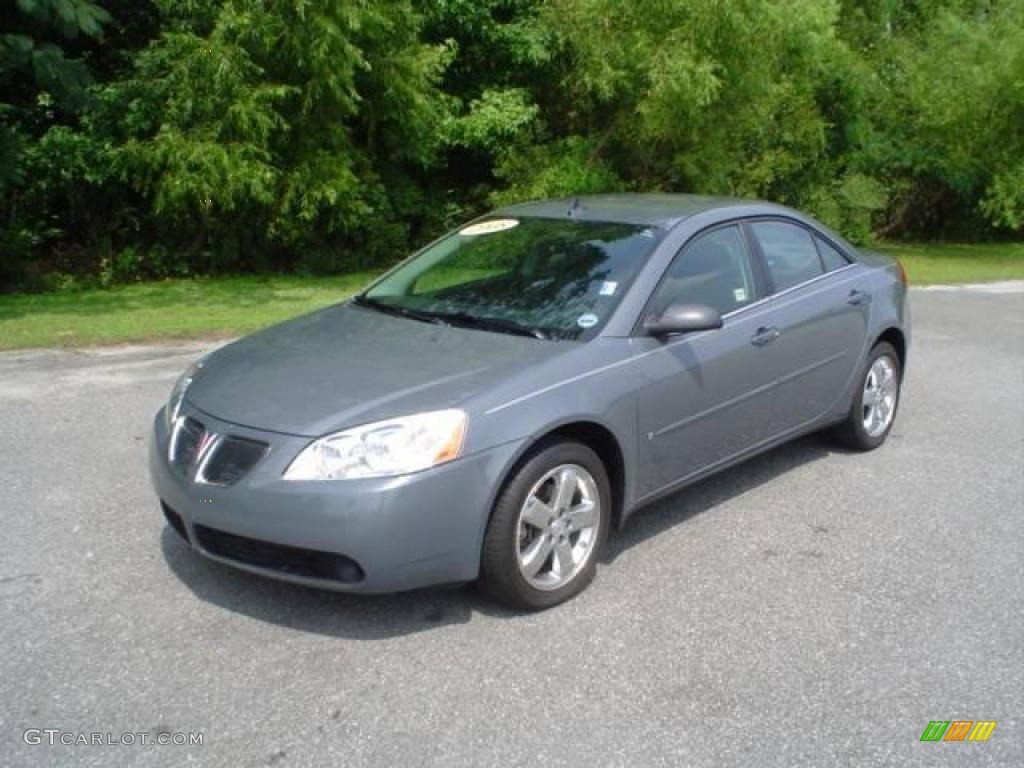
<point x="705" y="495"/>
<point x="338" y="614"/>
<point x="372" y="617"/>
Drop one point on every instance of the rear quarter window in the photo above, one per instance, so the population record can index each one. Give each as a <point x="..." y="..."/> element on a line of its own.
<point x="830" y="256"/>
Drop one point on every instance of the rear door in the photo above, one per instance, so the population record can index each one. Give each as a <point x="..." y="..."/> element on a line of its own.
<point x="817" y="320"/>
<point x="704" y="396"/>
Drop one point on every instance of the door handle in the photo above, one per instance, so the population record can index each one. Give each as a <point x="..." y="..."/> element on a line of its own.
<point x="765" y="336"/>
<point x="857" y="297"/>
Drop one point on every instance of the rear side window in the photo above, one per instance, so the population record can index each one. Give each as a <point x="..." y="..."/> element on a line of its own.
<point x="832" y="258"/>
<point x="790" y="253"/>
<point x="713" y="269"/>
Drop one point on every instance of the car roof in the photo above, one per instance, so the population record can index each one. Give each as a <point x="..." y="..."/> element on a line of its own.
<point x="656" y="210"/>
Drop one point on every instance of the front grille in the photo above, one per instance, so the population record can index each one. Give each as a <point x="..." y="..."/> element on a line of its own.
<point x="222" y="460"/>
<point x="231" y="459"/>
<point x="295" y="561"/>
<point x="186" y="441"/>
<point x="174" y="519"/>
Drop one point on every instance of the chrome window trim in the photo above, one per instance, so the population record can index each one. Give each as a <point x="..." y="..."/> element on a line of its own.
<point x="791" y="289"/>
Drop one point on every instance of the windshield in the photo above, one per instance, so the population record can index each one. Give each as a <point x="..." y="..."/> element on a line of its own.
<point x="549" y="278"/>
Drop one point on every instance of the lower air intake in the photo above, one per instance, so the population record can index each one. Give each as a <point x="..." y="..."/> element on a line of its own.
<point x="295" y="561"/>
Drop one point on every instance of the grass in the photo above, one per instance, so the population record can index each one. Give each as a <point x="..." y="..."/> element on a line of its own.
<point x="932" y="263"/>
<point x="165" y="309"/>
<point x="230" y="306"/>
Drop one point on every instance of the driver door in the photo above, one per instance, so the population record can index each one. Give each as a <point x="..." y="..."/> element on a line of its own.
<point x="707" y="395"/>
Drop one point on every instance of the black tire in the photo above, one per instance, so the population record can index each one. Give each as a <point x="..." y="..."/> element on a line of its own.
<point x="500" y="575"/>
<point x="852" y="433"/>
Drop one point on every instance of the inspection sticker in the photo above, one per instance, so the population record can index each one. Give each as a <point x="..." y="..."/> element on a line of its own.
<point x="608" y="288"/>
<point x="489" y="227"/>
<point x="588" y="320"/>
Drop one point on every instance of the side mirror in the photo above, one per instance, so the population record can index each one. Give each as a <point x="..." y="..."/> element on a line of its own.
<point x="680" y="317"/>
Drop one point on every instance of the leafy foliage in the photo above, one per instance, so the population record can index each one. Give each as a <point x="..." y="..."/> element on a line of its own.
<point x="197" y="136"/>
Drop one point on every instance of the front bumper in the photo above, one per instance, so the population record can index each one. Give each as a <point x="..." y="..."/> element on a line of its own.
<point x="402" y="532"/>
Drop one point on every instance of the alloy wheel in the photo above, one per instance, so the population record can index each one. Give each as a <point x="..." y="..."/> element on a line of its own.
<point x="881" y="389"/>
<point x="558" y="527"/>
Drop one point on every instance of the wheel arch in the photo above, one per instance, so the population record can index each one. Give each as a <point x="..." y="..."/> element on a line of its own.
<point x="898" y="340"/>
<point x="596" y="436"/>
<point x="603" y="442"/>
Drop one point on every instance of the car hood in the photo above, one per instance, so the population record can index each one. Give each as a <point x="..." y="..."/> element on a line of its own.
<point x="348" y="365"/>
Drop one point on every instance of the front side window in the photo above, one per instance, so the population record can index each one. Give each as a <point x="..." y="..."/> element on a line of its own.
<point x="789" y="252"/>
<point x="550" y="278"/>
<point x="713" y="269"/>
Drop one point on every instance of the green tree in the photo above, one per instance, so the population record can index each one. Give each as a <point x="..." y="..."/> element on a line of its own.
<point x="260" y="128"/>
<point x="174" y="136"/>
<point x="44" y="50"/>
<point x="952" y="116"/>
<point x="689" y="96"/>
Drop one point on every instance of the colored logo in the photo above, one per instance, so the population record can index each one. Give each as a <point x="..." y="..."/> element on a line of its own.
<point x="958" y="730"/>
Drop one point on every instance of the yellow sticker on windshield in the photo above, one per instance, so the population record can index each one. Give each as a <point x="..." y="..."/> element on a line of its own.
<point x="489" y="227"/>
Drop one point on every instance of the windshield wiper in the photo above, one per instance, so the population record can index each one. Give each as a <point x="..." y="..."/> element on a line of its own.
<point x="392" y="309"/>
<point x="453" y="318"/>
<point x="491" y="324"/>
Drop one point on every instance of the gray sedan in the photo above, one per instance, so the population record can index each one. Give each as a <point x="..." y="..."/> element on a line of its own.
<point x="496" y="404"/>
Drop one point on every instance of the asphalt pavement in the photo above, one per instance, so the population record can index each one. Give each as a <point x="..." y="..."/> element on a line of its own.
<point x="810" y="607"/>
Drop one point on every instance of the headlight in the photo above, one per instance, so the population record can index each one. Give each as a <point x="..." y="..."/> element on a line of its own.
<point x="383" y="449"/>
<point x="178" y="393"/>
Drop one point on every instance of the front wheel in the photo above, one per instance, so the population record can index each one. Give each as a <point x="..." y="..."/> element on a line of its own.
<point x="875" y="402"/>
<point x="548" y="525"/>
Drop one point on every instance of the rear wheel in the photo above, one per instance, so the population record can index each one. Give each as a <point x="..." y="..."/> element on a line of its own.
<point x="875" y="402"/>
<point x="547" y="528"/>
